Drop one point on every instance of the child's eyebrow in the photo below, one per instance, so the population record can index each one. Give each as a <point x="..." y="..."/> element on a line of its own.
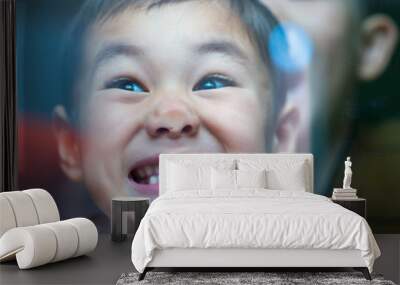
<point x="112" y="50"/>
<point x="221" y="46"/>
<point x="116" y="49"/>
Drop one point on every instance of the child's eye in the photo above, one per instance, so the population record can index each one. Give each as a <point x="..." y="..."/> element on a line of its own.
<point x="215" y="81"/>
<point x="126" y="84"/>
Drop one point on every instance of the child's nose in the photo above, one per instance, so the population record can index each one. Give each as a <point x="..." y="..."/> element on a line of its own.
<point x="173" y="120"/>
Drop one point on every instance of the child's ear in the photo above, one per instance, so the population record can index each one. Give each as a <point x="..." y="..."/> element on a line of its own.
<point x="287" y="130"/>
<point x="67" y="144"/>
<point x="379" y="38"/>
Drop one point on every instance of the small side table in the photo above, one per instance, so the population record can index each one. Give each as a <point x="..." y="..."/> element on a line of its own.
<point x="126" y="214"/>
<point x="358" y="205"/>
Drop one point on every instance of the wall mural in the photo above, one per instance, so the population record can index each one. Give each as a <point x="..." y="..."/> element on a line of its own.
<point x="104" y="87"/>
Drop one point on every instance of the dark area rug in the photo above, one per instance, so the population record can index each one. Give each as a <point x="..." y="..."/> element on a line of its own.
<point x="273" y="278"/>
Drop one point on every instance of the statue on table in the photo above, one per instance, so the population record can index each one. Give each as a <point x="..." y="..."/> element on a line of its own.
<point x="347" y="174"/>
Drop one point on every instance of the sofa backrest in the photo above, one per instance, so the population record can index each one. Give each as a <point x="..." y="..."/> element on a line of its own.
<point x="26" y="208"/>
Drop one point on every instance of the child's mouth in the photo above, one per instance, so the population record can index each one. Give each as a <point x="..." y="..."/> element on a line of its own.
<point x="144" y="176"/>
<point x="147" y="174"/>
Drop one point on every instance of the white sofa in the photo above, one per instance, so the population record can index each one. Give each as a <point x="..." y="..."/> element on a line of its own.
<point x="31" y="231"/>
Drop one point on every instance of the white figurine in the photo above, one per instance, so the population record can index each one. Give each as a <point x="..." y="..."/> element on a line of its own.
<point x="347" y="174"/>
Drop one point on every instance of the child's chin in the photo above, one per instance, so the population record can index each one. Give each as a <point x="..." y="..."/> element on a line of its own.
<point x="143" y="189"/>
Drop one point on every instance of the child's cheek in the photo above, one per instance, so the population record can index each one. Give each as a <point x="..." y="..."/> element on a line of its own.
<point x="110" y="124"/>
<point x="236" y="120"/>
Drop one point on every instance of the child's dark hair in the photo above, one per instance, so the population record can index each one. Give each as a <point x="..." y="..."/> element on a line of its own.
<point x="258" y="20"/>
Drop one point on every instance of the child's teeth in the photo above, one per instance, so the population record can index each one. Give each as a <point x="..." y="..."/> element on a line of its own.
<point x="153" y="179"/>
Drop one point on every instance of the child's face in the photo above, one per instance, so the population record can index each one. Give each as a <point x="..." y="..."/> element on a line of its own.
<point x="180" y="78"/>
